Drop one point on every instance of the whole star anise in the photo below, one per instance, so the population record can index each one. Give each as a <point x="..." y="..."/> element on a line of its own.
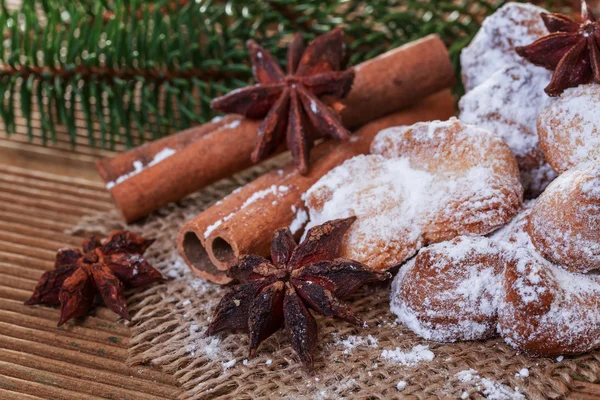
<point x="102" y="268"/>
<point x="572" y="50"/>
<point x="285" y="101"/>
<point x="277" y="293"/>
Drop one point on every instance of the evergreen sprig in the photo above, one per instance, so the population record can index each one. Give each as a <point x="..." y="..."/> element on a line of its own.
<point x="156" y="65"/>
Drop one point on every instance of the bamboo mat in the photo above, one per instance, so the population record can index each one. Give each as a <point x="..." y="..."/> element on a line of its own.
<point x="85" y="360"/>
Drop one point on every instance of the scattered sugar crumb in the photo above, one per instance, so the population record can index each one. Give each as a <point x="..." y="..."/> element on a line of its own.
<point x="300" y="219"/>
<point x="411" y="357"/>
<point x="228" y="364"/>
<point x="186" y="302"/>
<point x="232" y="124"/>
<point x="269" y="362"/>
<point x="491" y="389"/>
<point x="465" y="395"/>
<point x="138" y="166"/>
<point x="353" y="341"/>
<point x="560" y="358"/>
<point x="401" y="386"/>
<point x="524" y="372"/>
<point x="245" y="362"/>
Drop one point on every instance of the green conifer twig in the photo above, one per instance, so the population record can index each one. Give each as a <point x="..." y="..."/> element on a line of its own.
<point x="155" y="66"/>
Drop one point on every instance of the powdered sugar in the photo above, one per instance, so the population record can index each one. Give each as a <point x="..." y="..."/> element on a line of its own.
<point x="232" y="125"/>
<point x="208" y="347"/>
<point x="410" y="357"/>
<point x="273" y="190"/>
<point x="515" y="24"/>
<point x="300" y="219"/>
<point x="353" y="341"/>
<point x="214" y="226"/>
<point x="492" y="390"/>
<point x="138" y="166"/>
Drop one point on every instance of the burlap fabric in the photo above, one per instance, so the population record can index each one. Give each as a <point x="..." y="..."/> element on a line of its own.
<point x="170" y="319"/>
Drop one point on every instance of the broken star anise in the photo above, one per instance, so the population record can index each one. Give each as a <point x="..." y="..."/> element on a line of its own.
<point x="279" y="293"/>
<point x="286" y="101"/>
<point x="572" y="50"/>
<point x="102" y="268"/>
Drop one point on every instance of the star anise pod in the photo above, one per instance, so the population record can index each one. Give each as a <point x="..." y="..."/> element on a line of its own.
<point x="277" y="293"/>
<point x="287" y="101"/>
<point x="572" y="50"/>
<point x="102" y="268"/>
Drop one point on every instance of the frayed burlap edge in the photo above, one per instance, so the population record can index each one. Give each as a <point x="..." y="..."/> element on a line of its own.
<point x="170" y="319"/>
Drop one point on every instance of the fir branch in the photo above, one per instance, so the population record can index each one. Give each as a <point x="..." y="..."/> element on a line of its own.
<point x="154" y="66"/>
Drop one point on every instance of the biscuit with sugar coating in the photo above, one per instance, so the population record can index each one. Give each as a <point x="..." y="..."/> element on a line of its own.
<point x="564" y="224"/>
<point x="424" y="184"/>
<point x="449" y="291"/>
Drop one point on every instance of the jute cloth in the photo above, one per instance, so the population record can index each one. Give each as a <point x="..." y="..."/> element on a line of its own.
<point x="170" y="319"/>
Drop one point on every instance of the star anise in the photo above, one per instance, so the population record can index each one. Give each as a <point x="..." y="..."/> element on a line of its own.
<point x="572" y="50"/>
<point x="280" y="292"/>
<point x="286" y="101"/>
<point x="102" y="268"/>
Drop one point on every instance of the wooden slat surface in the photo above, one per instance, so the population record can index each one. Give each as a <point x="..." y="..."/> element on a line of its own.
<point x="45" y="190"/>
<point x="82" y="360"/>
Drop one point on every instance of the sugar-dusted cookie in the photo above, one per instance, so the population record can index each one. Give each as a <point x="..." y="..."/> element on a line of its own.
<point x="564" y="224"/>
<point x="449" y="291"/>
<point x="508" y="104"/>
<point x="569" y="128"/>
<point x="514" y="24"/>
<point x="546" y="310"/>
<point x="425" y="183"/>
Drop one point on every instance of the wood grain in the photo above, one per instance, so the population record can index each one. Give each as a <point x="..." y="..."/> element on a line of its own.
<point x="82" y="360"/>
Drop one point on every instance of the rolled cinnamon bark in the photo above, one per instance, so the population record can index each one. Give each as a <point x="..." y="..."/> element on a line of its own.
<point x="244" y="221"/>
<point x="111" y="169"/>
<point x="387" y="83"/>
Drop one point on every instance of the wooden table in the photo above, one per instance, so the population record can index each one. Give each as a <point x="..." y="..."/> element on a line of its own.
<point x="43" y="192"/>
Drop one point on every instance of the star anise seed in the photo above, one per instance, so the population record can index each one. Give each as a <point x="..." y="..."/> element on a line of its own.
<point x="288" y="102"/>
<point x="102" y="269"/>
<point x="279" y="293"/>
<point x="572" y="50"/>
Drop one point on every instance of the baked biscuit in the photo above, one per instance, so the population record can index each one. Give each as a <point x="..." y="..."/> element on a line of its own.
<point x="564" y="224"/>
<point x="569" y="128"/>
<point x="426" y="183"/>
<point x="449" y="291"/>
<point x="492" y="48"/>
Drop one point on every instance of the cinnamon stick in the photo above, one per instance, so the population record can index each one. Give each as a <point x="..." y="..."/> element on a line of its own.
<point x="243" y="222"/>
<point x="387" y="83"/>
<point x="111" y="169"/>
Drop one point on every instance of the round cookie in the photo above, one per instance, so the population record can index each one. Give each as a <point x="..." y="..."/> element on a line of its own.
<point x="564" y="224"/>
<point x="569" y="128"/>
<point x="544" y="310"/>
<point x="508" y="104"/>
<point x="426" y="183"/>
<point x="492" y="48"/>
<point x="547" y="311"/>
<point x="449" y="291"/>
